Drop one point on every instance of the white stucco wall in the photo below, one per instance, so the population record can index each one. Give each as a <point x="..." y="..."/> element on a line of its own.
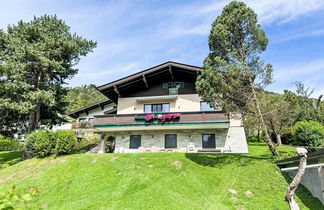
<point x="184" y="103"/>
<point x="97" y="111"/>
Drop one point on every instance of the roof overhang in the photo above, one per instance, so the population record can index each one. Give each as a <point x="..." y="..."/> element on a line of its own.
<point x="169" y="71"/>
<point x="76" y="113"/>
<point x="156" y="98"/>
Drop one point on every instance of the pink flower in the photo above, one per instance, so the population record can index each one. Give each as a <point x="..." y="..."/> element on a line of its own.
<point x="149" y="117"/>
<point x="170" y="116"/>
<point x="176" y="115"/>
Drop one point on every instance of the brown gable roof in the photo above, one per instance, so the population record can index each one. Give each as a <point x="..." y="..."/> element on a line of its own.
<point x="153" y="74"/>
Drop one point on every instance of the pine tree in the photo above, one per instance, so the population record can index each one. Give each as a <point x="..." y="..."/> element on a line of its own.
<point x="233" y="69"/>
<point x="36" y="59"/>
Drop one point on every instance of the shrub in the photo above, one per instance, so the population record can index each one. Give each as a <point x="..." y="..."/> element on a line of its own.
<point x="308" y="133"/>
<point x="66" y="142"/>
<point x="286" y="136"/>
<point x="40" y="143"/>
<point x="10" y="145"/>
<point x="88" y="142"/>
<point x="84" y="124"/>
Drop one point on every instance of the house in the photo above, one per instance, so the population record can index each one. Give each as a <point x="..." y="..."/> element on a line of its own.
<point x="158" y="109"/>
<point x="313" y="178"/>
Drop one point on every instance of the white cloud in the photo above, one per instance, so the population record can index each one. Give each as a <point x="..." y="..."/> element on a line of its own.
<point x="298" y="69"/>
<point x="283" y="11"/>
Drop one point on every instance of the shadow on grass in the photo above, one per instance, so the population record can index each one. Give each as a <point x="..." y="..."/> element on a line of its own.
<point x="9" y="158"/>
<point x="305" y="196"/>
<point x="221" y="160"/>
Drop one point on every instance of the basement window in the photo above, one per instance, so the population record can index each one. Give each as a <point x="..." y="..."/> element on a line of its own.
<point x="135" y="141"/>
<point x="208" y="141"/>
<point x="170" y="141"/>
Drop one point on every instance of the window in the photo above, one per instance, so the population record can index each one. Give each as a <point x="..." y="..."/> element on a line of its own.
<point x="208" y="141"/>
<point x="135" y="141"/>
<point x="91" y="119"/>
<point x="82" y="119"/>
<point x="206" y="106"/>
<point x="173" y="85"/>
<point x="170" y="141"/>
<point x="156" y="108"/>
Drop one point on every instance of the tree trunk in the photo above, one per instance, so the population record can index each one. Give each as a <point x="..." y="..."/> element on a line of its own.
<point x="302" y="152"/>
<point x="259" y="139"/>
<point x="34" y="116"/>
<point x="278" y="136"/>
<point x="267" y="139"/>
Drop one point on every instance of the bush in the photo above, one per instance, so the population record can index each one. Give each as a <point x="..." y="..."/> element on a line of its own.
<point x="66" y="142"/>
<point x="40" y="143"/>
<point x="84" y="124"/>
<point x="10" y="145"/>
<point x="308" y="133"/>
<point x="286" y="136"/>
<point x="88" y="142"/>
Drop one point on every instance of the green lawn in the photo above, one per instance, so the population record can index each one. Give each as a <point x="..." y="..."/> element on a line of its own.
<point x="156" y="181"/>
<point x="9" y="158"/>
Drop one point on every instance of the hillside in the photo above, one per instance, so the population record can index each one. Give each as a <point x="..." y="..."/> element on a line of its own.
<point x="154" y="181"/>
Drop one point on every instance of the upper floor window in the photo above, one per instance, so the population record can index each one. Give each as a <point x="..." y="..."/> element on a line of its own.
<point x="82" y="119"/>
<point x="206" y="106"/>
<point x="91" y="119"/>
<point x="156" y="108"/>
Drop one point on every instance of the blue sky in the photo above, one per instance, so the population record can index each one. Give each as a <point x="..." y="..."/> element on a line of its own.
<point x="133" y="35"/>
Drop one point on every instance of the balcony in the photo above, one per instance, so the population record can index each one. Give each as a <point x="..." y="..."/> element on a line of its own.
<point x="187" y="120"/>
<point x="81" y="125"/>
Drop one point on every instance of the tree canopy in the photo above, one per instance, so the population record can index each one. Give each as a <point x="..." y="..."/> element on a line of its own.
<point x="36" y="59"/>
<point x="82" y="96"/>
<point x="233" y="68"/>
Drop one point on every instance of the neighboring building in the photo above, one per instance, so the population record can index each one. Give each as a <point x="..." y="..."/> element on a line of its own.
<point x="313" y="178"/>
<point x="85" y="119"/>
<point x="61" y="127"/>
<point x="158" y="109"/>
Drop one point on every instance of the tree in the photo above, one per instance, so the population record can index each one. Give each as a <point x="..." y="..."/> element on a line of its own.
<point x="275" y="112"/>
<point x="233" y="69"/>
<point x="302" y="106"/>
<point x="302" y="152"/>
<point x="36" y="59"/>
<point x="80" y="97"/>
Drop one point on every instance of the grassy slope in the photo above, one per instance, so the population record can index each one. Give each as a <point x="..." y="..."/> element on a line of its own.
<point x="152" y="181"/>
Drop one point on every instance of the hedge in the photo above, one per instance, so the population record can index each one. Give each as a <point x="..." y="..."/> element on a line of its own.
<point x="42" y="143"/>
<point x="308" y="133"/>
<point x="10" y="145"/>
<point x="66" y="142"/>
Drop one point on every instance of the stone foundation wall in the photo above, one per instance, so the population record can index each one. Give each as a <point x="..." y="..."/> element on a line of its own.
<point x="151" y="139"/>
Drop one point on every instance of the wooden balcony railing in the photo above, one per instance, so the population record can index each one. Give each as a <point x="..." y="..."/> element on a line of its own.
<point x="80" y="125"/>
<point x="139" y="118"/>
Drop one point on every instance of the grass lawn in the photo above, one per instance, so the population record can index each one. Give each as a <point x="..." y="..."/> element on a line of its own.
<point x="156" y="181"/>
<point x="9" y="158"/>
